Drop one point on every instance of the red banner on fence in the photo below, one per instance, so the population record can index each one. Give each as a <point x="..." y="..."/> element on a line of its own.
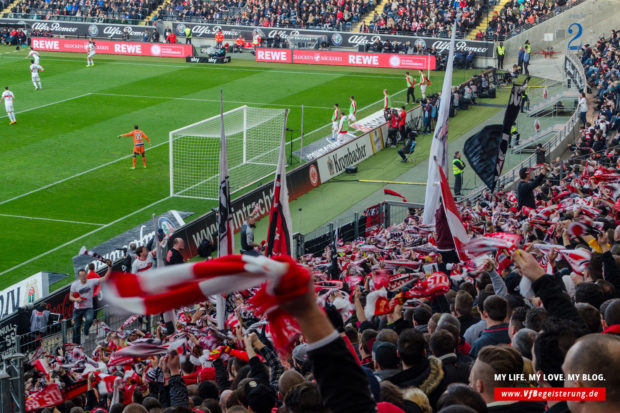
<point x="113" y="47"/>
<point x="49" y="396"/>
<point x="323" y="57"/>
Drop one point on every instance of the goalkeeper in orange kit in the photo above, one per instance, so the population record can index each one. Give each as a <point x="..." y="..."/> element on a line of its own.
<point x="138" y="144"/>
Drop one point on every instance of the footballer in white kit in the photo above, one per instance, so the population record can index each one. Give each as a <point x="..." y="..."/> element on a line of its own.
<point x="34" y="55"/>
<point x="34" y="71"/>
<point x="90" y="48"/>
<point x="8" y="98"/>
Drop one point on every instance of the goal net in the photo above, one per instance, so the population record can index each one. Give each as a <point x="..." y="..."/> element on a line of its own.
<point x="253" y="140"/>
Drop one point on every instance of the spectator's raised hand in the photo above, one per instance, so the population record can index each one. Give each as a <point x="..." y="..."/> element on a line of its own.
<point x="174" y="363"/>
<point x="527" y="265"/>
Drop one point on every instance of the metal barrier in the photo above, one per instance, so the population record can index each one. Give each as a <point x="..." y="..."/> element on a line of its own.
<point x="12" y="394"/>
<point x="350" y="227"/>
<point x="61" y="333"/>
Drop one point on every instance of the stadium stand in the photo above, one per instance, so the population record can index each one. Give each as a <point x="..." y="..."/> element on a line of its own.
<point x="511" y="17"/>
<point x="126" y="11"/>
<point x="424" y="18"/>
<point x="312" y="15"/>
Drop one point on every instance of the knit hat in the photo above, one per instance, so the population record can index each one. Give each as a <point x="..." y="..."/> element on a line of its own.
<point x="300" y="353"/>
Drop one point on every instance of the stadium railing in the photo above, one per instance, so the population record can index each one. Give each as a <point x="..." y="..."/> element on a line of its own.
<point x="351" y="227"/>
<point x="61" y="333"/>
<point x="118" y="19"/>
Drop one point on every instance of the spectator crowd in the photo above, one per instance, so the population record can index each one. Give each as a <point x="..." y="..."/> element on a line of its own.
<point x="319" y="14"/>
<point x="119" y="10"/>
<point x="424" y="18"/>
<point x="539" y="292"/>
<point x="520" y="15"/>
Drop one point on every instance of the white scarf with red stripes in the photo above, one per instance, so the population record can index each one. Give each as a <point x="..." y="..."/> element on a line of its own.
<point x="173" y="287"/>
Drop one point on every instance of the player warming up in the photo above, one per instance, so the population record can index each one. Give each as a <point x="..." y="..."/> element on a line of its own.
<point x="35" y="68"/>
<point x="424" y="82"/>
<point x="90" y="49"/>
<point x="138" y="144"/>
<point x="352" y="110"/>
<point x="34" y="55"/>
<point x="8" y="98"/>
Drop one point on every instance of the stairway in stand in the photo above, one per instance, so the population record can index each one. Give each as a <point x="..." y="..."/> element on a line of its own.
<point x="8" y="8"/>
<point x="485" y="20"/>
<point x="368" y="18"/>
<point x="146" y="21"/>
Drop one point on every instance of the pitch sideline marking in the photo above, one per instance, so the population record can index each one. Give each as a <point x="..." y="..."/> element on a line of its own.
<point x="50" y="219"/>
<point x="81" y="236"/>
<point x="50" y="104"/>
<point x="238" y="102"/>
<point x="238" y="69"/>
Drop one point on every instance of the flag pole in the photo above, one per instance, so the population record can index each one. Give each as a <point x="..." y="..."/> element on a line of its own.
<point x="225" y="234"/>
<point x="170" y="315"/>
<point x="301" y="145"/>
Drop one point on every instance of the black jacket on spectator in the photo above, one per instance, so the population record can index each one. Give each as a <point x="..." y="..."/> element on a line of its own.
<point x="519" y="407"/>
<point x="455" y="371"/>
<point x="525" y="192"/>
<point x="467" y="321"/>
<point x="611" y="272"/>
<point x="561" y="407"/>
<point x="175" y="257"/>
<point x="178" y="391"/>
<point x="556" y="302"/>
<point x="342" y="383"/>
<point x="428" y="375"/>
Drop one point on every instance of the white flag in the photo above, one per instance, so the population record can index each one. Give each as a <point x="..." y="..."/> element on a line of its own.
<point x="439" y="146"/>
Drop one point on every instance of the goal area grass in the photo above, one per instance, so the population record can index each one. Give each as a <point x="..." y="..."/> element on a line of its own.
<point x="66" y="178"/>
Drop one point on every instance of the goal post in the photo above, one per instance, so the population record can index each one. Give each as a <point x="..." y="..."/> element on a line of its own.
<point x="253" y="139"/>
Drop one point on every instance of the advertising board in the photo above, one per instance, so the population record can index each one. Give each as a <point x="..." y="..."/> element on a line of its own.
<point x="112" y="47"/>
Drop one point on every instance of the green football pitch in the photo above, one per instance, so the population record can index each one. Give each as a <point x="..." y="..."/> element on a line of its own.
<point x="65" y="179"/>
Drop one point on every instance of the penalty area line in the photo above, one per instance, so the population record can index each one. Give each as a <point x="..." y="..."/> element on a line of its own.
<point x="77" y="175"/>
<point x="82" y="236"/>
<point x="50" y="219"/>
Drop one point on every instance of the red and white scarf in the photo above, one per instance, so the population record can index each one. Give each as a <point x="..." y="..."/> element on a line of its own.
<point x="281" y="279"/>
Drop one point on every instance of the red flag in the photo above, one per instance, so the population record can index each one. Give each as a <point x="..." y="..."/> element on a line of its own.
<point x="459" y="235"/>
<point x="280" y="235"/>
<point x="394" y="193"/>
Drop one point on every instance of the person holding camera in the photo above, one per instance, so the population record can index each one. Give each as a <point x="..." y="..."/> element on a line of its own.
<point x="393" y="127"/>
<point x="81" y="295"/>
